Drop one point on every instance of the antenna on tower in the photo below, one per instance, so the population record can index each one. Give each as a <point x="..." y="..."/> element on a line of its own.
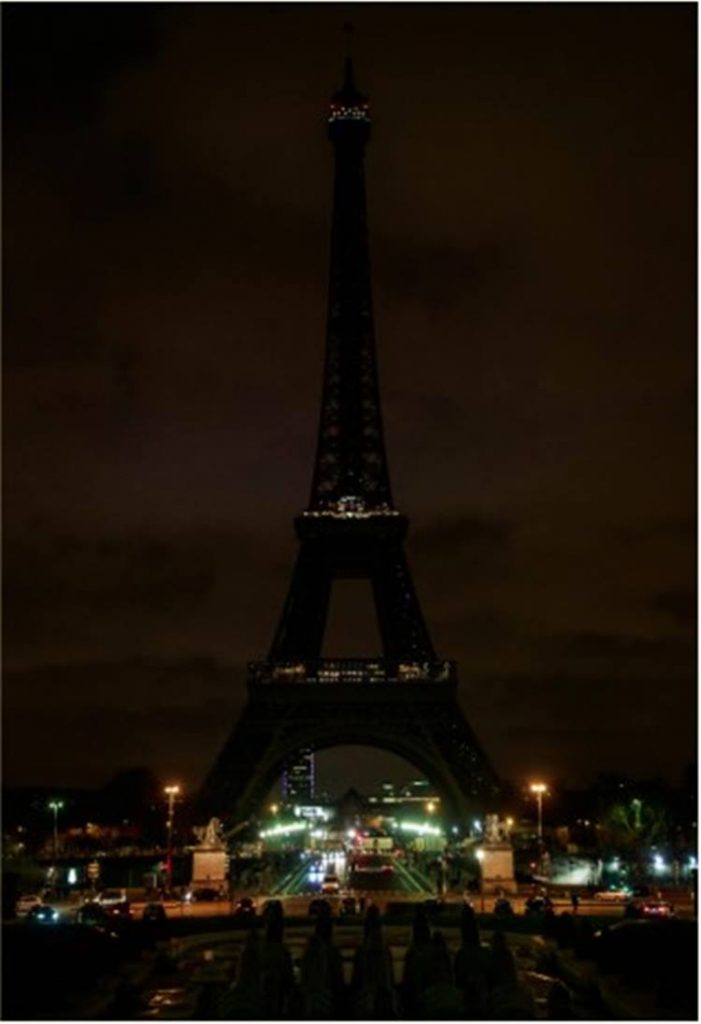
<point x="348" y="83"/>
<point x="348" y="29"/>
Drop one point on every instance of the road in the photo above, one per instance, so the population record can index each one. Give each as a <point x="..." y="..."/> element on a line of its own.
<point x="307" y="878"/>
<point x="304" y="884"/>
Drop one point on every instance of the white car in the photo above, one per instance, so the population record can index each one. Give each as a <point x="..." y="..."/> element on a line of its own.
<point x="110" y="897"/>
<point x="25" y="903"/>
<point x="612" y="896"/>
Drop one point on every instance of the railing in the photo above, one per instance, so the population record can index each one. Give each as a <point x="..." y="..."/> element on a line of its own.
<point x="357" y="670"/>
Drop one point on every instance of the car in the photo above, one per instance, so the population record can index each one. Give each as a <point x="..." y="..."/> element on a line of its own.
<point x="656" y="908"/>
<point x="330" y="885"/>
<point x="612" y="895"/>
<point x="349" y="906"/>
<point x="204" y="895"/>
<point x="318" y="907"/>
<point x="641" y="891"/>
<point x="372" y="864"/>
<point x="26" y="903"/>
<point x="108" y="897"/>
<point x="121" y="910"/>
<point x="155" y="913"/>
<point x="537" y="905"/>
<point x="43" y="914"/>
<point x="245" y="907"/>
<point x="93" y="914"/>
<point x="503" y="907"/>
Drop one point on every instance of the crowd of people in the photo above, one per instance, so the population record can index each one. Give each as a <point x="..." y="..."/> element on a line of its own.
<point x="477" y="982"/>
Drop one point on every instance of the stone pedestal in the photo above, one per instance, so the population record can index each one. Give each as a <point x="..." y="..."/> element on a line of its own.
<point x="209" y="868"/>
<point x="498" y="868"/>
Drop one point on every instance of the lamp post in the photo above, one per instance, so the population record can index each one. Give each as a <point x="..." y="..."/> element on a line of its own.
<point x="539" y="789"/>
<point x="55" y="806"/>
<point x="171" y="792"/>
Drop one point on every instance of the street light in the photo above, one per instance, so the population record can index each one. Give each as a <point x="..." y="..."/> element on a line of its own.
<point x="539" y="788"/>
<point x="274" y="808"/>
<point x="171" y="792"/>
<point x="55" y="806"/>
<point x="431" y="807"/>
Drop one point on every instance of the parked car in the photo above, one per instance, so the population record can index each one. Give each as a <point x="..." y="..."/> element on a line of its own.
<point x="245" y="907"/>
<point x="641" y="891"/>
<point x="656" y="908"/>
<point x="120" y="911"/>
<point x="93" y="914"/>
<point x="26" y="903"/>
<point x="503" y="907"/>
<point x="538" y="905"/>
<point x="154" y="913"/>
<point x="204" y="895"/>
<point x="349" y="906"/>
<point x="612" y="895"/>
<point x="108" y="897"/>
<point x="43" y="914"/>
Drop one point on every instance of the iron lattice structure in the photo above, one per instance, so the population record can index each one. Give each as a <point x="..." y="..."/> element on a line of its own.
<point x="406" y="700"/>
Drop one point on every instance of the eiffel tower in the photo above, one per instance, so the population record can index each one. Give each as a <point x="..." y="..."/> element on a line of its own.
<point x="405" y="701"/>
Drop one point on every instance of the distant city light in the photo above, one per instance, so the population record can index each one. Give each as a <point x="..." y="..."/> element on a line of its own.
<point x="479" y="854"/>
<point x="658" y="864"/>
<point x="421" y="830"/>
<point x="477" y="825"/>
<point x="283" y="829"/>
<point x="615" y="864"/>
<point x="72" y="876"/>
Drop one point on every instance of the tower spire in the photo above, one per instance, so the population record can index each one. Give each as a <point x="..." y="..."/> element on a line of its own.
<point x="348" y="82"/>
<point x="351" y="466"/>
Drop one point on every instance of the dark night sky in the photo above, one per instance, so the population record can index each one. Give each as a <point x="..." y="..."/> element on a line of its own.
<point x="167" y="207"/>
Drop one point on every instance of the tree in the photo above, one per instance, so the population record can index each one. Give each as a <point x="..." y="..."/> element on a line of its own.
<point x="631" y="827"/>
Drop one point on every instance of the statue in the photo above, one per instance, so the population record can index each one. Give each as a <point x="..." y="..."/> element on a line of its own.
<point x="210" y="837"/>
<point x="210" y="863"/>
<point x="493" y="831"/>
<point x="497" y="856"/>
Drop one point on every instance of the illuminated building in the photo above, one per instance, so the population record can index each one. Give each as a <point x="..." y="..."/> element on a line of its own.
<point x="298" y="777"/>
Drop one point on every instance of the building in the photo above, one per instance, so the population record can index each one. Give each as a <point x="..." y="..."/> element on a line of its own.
<point x="298" y="777"/>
